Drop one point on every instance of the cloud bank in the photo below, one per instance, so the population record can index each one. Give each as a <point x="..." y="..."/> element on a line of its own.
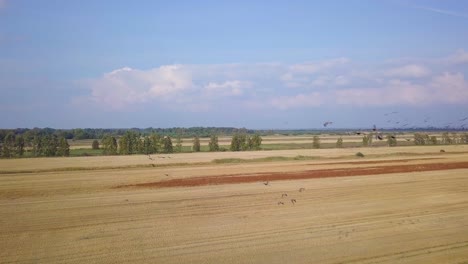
<point x="337" y="81"/>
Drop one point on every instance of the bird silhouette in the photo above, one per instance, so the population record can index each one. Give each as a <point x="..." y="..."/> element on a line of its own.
<point x="327" y="123"/>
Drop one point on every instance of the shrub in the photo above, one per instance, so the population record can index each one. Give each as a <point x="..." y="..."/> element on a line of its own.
<point x="360" y="155"/>
<point x="95" y="144"/>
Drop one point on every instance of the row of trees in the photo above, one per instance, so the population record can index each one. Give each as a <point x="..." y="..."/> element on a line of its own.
<point x="446" y="139"/>
<point x="93" y="133"/>
<point x="242" y="142"/>
<point x="132" y="143"/>
<point x="48" y="145"/>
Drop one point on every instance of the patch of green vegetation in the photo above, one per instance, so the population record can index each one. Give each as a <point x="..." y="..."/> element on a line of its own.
<point x="266" y="159"/>
<point x="85" y="152"/>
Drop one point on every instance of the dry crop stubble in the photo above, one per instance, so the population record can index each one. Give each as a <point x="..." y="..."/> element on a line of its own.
<point x="79" y="216"/>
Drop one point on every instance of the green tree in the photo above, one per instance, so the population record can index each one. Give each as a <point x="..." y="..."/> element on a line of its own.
<point x="124" y="146"/>
<point x="455" y="138"/>
<point x="391" y="140"/>
<point x="95" y="144"/>
<point x="133" y="140"/>
<point x="130" y="143"/>
<point x="339" y="142"/>
<point x="147" y="146"/>
<point x="9" y="145"/>
<point x="256" y="142"/>
<point x="51" y="144"/>
<point x="109" y="145"/>
<point x="178" y="147"/>
<point x="238" y="142"/>
<point x="446" y="138"/>
<point x="367" y="140"/>
<point x="63" y="148"/>
<point x="20" y="144"/>
<point x="155" y="142"/>
<point x="316" y="142"/>
<point x="433" y="140"/>
<point x="167" y="145"/>
<point x="213" y="144"/>
<point x="464" y="138"/>
<point x="37" y="146"/>
<point x="196" y="144"/>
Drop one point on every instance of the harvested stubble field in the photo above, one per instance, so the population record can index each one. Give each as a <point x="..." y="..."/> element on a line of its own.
<point x="402" y="204"/>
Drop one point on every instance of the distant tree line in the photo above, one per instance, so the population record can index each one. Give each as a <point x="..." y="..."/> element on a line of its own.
<point x="446" y="139"/>
<point x="94" y="133"/>
<point x="201" y="132"/>
<point x="12" y="145"/>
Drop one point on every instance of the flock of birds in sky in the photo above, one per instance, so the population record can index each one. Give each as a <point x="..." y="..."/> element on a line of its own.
<point x="395" y="121"/>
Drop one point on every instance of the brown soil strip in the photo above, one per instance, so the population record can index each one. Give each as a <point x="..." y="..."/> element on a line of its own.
<point x="372" y="161"/>
<point x="311" y="174"/>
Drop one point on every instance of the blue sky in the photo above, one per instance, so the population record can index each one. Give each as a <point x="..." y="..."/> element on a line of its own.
<point x="255" y="64"/>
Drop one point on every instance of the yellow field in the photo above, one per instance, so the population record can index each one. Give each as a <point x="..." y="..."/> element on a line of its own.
<point x="69" y="210"/>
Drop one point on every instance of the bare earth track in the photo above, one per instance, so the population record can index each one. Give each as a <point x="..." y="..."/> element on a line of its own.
<point x="311" y="174"/>
<point x="401" y="205"/>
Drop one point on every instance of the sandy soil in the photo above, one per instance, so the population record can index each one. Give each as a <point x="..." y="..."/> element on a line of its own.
<point x="415" y="212"/>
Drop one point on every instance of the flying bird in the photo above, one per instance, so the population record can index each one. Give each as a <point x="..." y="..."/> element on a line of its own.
<point x="327" y="123"/>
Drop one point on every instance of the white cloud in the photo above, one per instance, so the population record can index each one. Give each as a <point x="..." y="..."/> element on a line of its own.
<point x="227" y="88"/>
<point x="302" y="75"/>
<point x="314" y="67"/>
<point x="202" y="87"/>
<point x="126" y="86"/>
<point x="445" y="88"/>
<point x="395" y="92"/>
<point x="450" y="88"/>
<point x="408" y="71"/>
<point x="461" y="56"/>
<point x="329" y="81"/>
<point x="297" y="101"/>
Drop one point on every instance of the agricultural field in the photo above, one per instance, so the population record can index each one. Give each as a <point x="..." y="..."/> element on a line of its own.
<point x="274" y="142"/>
<point x="401" y="204"/>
